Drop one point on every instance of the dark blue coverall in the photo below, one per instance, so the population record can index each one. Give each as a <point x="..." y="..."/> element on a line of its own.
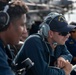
<point x="40" y="52"/>
<point x="5" y="68"/>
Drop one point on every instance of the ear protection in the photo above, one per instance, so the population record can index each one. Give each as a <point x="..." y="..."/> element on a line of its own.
<point x="44" y="27"/>
<point x="4" y="17"/>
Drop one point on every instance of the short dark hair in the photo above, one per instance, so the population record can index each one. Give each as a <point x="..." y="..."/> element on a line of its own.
<point x="73" y="23"/>
<point x="16" y="9"/>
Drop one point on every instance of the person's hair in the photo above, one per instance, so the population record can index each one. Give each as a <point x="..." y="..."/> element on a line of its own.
<point x="35" y="27"/>
<point x="16" y="9"/>
<point x="73" y="23"/>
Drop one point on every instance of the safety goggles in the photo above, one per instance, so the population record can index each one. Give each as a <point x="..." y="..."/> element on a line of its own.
<point x="63" y="33"/>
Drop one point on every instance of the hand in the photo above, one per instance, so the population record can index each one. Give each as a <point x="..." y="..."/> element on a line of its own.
<point x="61" y="62"/>
<point x="67" y="68"/>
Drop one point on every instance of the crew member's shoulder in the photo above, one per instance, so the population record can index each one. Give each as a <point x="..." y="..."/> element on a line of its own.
<point x="34" y="36"/>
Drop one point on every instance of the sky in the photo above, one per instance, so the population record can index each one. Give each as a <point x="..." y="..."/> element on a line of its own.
<point x="71" y="17"/>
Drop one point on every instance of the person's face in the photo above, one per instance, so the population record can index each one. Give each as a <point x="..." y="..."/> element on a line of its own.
<point x="17" y="29"/>
<point x="24" y="35"/>
<point x="73" y="34"/>
<point x="60" y="39"/>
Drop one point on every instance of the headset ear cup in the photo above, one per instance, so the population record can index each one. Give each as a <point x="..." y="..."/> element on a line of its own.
<point x="4" y="19"/>
<point x="45" y="28"/>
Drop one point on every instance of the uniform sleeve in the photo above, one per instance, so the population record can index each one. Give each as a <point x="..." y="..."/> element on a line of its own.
<point x="66" y="54"/>
<point x="33" y="49"/>
<point x="4" y="67"/>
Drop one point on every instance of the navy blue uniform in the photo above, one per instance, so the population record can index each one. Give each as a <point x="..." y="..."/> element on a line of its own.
<point x="42" y="55"/>
<point x="71" y="45"/>
<point x="5" y="69"/>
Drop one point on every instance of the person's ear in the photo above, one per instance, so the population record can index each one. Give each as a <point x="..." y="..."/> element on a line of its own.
<point x="10" y="25"/>
<point x="50" y="34"/>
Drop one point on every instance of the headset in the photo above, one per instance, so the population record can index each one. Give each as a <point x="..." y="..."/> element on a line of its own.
<point x="4" y="18"/>
<point x="44" y="26"/>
